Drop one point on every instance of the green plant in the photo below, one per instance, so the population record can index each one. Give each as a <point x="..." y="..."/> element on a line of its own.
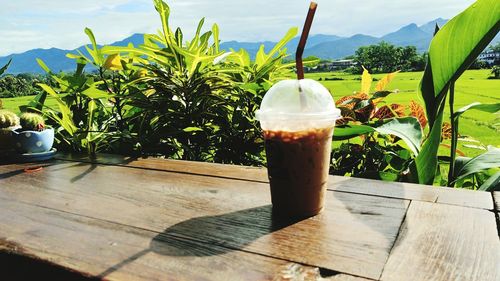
<point x="242" y="135"/>
<point x="378" y="155"/>
<point x="32" y="122"/>
<point x="198" y="102"/>
<point x="8" y="119"/>
<point x="90" y="115"/>
<point x="451" y="52"/>
<point x="495" y="70"/>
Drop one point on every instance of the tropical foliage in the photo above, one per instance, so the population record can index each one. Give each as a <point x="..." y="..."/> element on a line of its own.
<point x="390" y="135"/>
<point x="452" y="50"/>
<point x="167" y="97"/>
<point x="188" y="99"/>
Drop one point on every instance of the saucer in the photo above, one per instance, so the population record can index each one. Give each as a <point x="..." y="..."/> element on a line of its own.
<point x="36" y="157"/>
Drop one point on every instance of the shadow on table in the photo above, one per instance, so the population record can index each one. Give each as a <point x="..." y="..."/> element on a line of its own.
<point x="212" y="235"/>
<point x="91" y="167"/>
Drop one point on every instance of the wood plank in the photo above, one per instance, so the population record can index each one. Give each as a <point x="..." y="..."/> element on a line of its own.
<point x="383" y="188"/>
<point x="169" y="165"/>
<point x="353" y="235"/>
<point x="117" y="252"/>
<point x="466" y="198"/>
<point x="473" y="199"/>
<point x="444" y="242"/>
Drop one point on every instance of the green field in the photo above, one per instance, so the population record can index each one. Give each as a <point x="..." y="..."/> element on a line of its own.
<point x="473" y="86"/>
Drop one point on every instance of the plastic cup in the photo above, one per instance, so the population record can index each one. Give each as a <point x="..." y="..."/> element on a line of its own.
<point x="298" y="118"/>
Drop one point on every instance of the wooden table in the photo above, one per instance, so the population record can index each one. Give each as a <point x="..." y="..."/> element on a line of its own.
<point x="118" y="218"/>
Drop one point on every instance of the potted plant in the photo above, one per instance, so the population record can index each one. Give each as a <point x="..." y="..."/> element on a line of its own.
<point x="8" y="123"/>
<point x="33" y="136"/>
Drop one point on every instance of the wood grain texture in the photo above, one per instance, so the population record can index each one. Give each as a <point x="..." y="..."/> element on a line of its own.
<point x="444" y="242"/>
<point x="353" y="235"/>
<point x="473" y="199"/>
<point x="466" y="198"/>
<point x="117" y="252"/>
<point x="168" y="165"/>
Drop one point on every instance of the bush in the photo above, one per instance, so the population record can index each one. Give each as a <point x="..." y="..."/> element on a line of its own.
<point x="166" y="98"/>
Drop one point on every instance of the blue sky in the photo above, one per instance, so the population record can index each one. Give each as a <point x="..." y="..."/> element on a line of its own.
<point x="29" y="24"/>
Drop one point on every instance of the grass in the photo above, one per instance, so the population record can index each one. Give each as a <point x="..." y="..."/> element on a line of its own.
<point x="14" y="103"/>
<point x="473" y="86"/>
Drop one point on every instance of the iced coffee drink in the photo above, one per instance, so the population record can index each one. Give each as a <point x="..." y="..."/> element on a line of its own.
<point x="298" y="164"/>
<point x="298" y="118"/>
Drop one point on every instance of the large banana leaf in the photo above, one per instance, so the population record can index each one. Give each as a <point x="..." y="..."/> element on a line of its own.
<point x="451" y="52"/>
<point x="406" y="128"/>
<point x="4" y="68"/>
<point x="492" y="184"/>
<point x="467" y="166"/>
<point x="491" y="108"/>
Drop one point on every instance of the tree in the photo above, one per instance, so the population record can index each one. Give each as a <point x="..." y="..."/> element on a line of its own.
<point x="495" y="48"/>
<point x="385" y="57"/>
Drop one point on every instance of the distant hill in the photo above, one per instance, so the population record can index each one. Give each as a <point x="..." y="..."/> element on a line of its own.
<point x="409" y="35"/>
<point x="340" y="48"/>
<point x="26" y="62"/>
<point x="253" y="47"/>
<point x="320" y="45"/>
<point x="55" y="58"/>
<point x="431" y="26"/>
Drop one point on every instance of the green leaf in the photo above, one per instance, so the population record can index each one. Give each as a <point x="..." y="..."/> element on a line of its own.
<point x="215" y="32"/>
<point x="95" y="52"/>
<point x="67" y="121"/>
<point x="452" y="51"/>
<point x="351" y="131"/>
<point x="492" y="184"/>
<point x="423" y="169"/>
<point x="90" y="122"/>
<point x="460" y="41"/>
<point x="42" y="64"/>
<point x="262" y="58"/>
<point x="491" y="108"/>
<point x="388" y="176"/>
<point x="380" y="94"/>
<point x="95" y="93"/>
<point x="406" y="128"/>
<point x="192" y="129"/>
<point x="196" y="39"/>
<point x="37" y="103"/>
<point x="241" y="57"/>
<point x="4" y="68"/>
<point x="466" y="166"/>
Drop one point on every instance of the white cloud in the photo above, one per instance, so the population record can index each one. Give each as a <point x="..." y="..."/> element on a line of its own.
<point x="28" y="24"/>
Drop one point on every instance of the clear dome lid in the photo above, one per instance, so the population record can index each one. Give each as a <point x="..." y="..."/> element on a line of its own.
<point x="293" y="105"/>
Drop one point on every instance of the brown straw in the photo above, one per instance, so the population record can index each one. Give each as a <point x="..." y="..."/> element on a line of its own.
<point x="303" y="40"/>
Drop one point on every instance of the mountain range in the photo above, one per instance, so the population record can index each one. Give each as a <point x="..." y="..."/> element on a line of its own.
<point x="320" y="45"/>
